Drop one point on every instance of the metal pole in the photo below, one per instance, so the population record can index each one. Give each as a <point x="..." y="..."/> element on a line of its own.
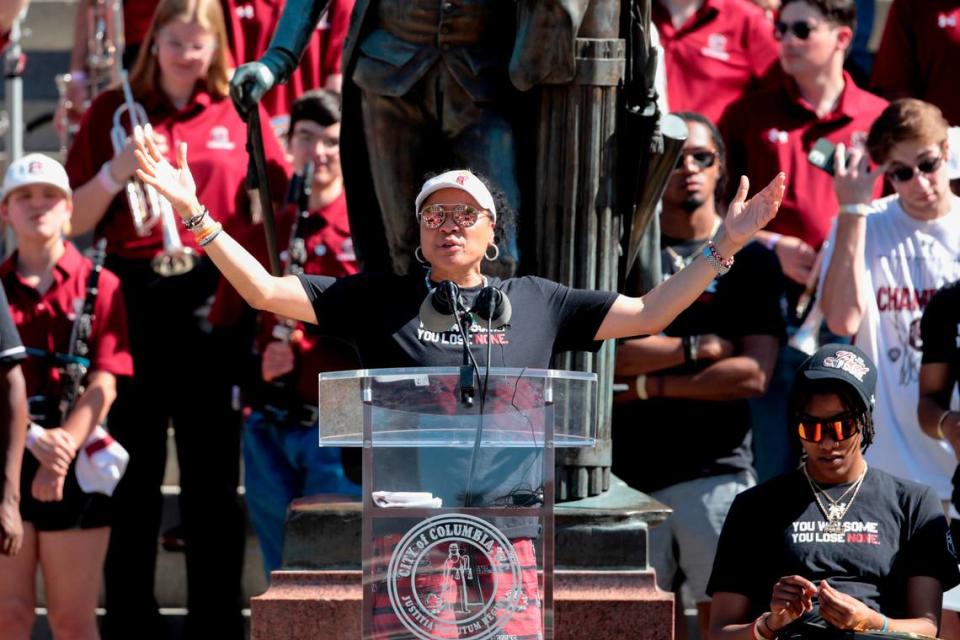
<point x="13" y="62"/>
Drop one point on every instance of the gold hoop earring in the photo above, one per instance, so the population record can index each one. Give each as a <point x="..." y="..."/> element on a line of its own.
<point x="418" y="255"/>
<point x="496" y="253"/>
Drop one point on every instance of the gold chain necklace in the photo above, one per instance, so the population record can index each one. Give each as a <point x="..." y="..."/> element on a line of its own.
<point x="837" y="509"/>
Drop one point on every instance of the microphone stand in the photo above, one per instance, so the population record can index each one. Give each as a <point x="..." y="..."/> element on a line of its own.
<point x="467" y="391"/>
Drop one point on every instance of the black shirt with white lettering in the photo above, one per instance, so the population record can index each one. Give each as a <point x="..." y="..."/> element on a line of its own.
<point x="894" y="530"/>
<point x="379" y="315"/>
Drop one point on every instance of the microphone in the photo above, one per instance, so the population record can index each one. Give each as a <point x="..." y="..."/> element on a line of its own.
<point x="438" y="310"/>
<point x="493" y="305"/>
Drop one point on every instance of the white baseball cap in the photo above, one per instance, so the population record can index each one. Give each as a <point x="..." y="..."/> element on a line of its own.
<point x="36" y="168"/>
<point x="459" y="179"/>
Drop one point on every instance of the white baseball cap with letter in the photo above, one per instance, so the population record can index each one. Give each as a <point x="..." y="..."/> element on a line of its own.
<point x="464" y="181"/>
<point x="36" y="168"/>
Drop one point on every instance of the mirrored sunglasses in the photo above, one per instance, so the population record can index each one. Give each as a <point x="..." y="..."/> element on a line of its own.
<point x="839" y="428"/>
<point x="801" y="29"/>
<point x="905" y="174"/>
<point x="702" y="159"/>
<point x="434" y="215"/>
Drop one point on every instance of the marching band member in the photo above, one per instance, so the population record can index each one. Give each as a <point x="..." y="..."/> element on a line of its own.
<point x="59" y="308"/>
<point x="281" y="458"/>
<point x="180" y="79"/>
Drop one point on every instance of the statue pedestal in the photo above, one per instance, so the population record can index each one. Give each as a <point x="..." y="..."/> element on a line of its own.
<point x="603" y="584"/>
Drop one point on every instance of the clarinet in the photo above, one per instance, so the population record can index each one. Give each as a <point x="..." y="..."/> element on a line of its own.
<point x="76" y="362"/>
<point x="299" y="194"/>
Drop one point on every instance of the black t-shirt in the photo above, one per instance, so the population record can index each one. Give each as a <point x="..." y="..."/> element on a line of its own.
<point x="715" y="434"/>
<point x="379" y="316"/>
<point x="11" y="349"/>
<point x="940" y="329"/>
<point x="894" y="530"/>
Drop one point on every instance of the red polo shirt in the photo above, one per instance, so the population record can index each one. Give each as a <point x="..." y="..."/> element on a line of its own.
<point x="329" y="250"/>
<point x="137" y="16"/>
<point x="774" y="131"/>
<point x="252" y="25"/>
<point x="722" y="52"/>
<point x="216" y="139"/>
<point x="920" y="45"/>
<point x="45" y="321"/>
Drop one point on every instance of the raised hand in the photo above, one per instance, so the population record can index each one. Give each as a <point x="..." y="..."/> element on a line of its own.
<point x="746" y="217"/>
<point x="853" y="181"/>
<point x="176" y="185"/>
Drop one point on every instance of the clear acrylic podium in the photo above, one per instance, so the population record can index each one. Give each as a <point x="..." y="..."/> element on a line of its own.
<point x="457" y="504"/>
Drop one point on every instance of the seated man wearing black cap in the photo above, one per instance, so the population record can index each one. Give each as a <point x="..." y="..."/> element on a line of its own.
<point x="833" y="546"/>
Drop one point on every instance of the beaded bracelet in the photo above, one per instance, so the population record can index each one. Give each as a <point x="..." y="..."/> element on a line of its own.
<point x="720" y="264"/>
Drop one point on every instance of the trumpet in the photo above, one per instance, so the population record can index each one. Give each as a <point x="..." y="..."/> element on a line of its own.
<point x="147" y="207"/>
<point x="105" y="45"/>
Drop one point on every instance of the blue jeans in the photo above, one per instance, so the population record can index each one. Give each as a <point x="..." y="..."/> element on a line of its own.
<point x="283" y="462"/>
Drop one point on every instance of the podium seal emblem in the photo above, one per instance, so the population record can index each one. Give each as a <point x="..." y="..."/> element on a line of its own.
<point x="455" y="576"/>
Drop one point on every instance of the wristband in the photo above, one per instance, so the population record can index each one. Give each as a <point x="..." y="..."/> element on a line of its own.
<point x="193" y="221"/>
<point x="78" y="75"/>
<point x="766" y="625"/>
<point x="756" y="629"/>
<point x="885" y="621"/>
<point x="858" y="210"/>
<point x="720" y="264"/>
<point x="640" y="384"/>
<point x="106" y="180"/>
<point x="772" y="240"/>
<point x="209" y="234"/>
<point x="943" y="418"/>
<point x="33" y="434"/>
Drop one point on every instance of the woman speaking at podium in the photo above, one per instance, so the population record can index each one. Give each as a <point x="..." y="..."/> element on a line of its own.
<point x="459" y="217"/>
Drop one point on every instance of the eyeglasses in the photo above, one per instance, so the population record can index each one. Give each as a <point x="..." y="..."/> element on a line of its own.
<point x="702" y="159"/>
<point x="801" y="29"/>
<point x="906" y="174"/>
<point x="434" y="215"/>
<point x="840" y="428"/>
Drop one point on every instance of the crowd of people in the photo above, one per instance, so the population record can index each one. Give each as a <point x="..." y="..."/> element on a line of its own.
<point x="836" y="462"/>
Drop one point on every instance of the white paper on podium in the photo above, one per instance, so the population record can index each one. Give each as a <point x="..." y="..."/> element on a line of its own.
<point x="406" y="499"/>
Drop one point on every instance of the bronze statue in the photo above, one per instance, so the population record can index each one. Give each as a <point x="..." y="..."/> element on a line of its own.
<point x="433" y="84"/>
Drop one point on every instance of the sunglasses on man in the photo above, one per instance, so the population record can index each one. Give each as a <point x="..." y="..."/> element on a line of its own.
<point x="840" y="428"/>
<point x="802" y="29"/>
<point x="902" y="173"/>
<point x="701" y="159"/>
<point x="434" y="215"/>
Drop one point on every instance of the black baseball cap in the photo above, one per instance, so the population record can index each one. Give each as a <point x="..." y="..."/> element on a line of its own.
<point x="842" y="362"/>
